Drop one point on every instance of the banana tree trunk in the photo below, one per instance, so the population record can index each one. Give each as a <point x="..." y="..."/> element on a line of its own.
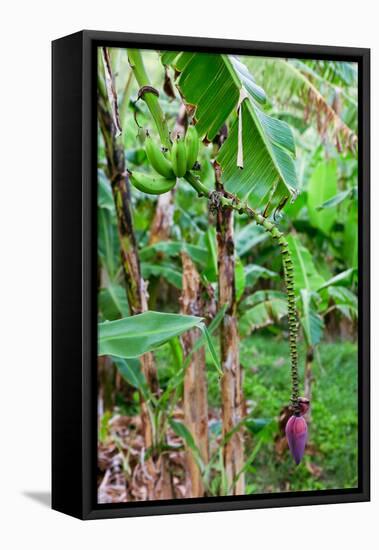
<point x="231" y="382"/>
<point x="195" y="382"/>
<point x="135" y="285"/>
<point x="163" y="217"/>
<point x="160" y="231"/>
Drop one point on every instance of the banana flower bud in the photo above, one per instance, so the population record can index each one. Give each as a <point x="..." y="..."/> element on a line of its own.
<point x="297" y="435"/>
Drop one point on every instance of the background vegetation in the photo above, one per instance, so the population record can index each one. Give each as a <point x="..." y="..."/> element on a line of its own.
<point x="318" y="100"/>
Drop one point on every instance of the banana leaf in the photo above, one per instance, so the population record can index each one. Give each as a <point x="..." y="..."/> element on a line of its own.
<point x="345" y="301"/>
<point x="248" y="237"/>
<point x="131" y="371"/>
<point x="112" y="302"/>
<point x="136" y="335"/>
<point x="322" y="187"/>
<point x="305" y="273"/>
<point x="311" y="322"/>
<point x="264" y="308"/>
<point x="293" y="82"/>
<point x="216" y="86"/>
<point x="173" y="249"/>
<point x="169" y="272"/>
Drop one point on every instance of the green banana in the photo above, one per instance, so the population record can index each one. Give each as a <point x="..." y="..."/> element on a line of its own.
<point x="192" y="146"/>
<point x="179" y="158"/>
<point x="157" y="159"/>
<point x="154" y="185"/>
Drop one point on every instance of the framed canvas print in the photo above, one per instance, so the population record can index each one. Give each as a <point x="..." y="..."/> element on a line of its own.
<point x="210" y="275"/>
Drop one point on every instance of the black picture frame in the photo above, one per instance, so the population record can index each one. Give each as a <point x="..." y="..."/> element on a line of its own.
<point x="74" y="313"/>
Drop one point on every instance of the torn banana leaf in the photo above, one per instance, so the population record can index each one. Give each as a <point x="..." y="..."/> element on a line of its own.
<point x="216" y="86"/>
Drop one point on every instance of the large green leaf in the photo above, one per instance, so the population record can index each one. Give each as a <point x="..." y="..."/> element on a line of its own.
<point x="169" y="272"/>
<point x="249" y="237"/>
<point x="307" y="282"/>
<point x="240" y="278"/>
<point x="345" y="301"/>
<point x="108" y="243"/>
<point x="215" y="85"/>
<point x="322" y="187"/>
<point x="350" y="245"/>
<point x="292" y="84"/>
<point x="204" y="337"/>
<point x="343" y="278"/>
<point x="211" y="268"/>
<point x="211" y="348"/>
<point x="134" y="336"/>
<point x="177" y="379"/>
<point x="212" y="83"/>
<point x="173" y="249"/>
<point x="306" y="275"/>
<point x="338" y="198"/>
<point x="112" y="302"/>
<point x="253" y="272"/>
<point x="268" y="177"/>
<point x="311" y="322"/>
<point x="265" y="308"/>
<point x="130" y="370"/>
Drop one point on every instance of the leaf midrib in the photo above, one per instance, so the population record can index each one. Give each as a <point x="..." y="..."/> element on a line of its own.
<point x="146" y="333"/>
<point x="257" y="122"/>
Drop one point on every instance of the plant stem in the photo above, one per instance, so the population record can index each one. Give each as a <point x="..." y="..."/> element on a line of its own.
<point x="125" y="99"/>
<point x="195" y="402"/>
<point x="231" y="380"/>
<point x="136" y="63"/>
<point x="195" y="182"/>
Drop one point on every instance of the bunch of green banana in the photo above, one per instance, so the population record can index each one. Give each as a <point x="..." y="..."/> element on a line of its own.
<point x="154" y="185"/>
<point x="183" y="157"/>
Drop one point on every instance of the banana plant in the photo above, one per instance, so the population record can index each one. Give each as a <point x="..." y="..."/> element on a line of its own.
<point x="235" y="149"/>
<point x="321" y="97"/>
<point x="267" y="182"/>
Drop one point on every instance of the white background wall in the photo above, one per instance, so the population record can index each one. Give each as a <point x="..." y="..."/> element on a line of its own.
<point x="26" y="31"/>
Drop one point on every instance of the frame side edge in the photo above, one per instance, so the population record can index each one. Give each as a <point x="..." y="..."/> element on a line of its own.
<point x="66" y="275"/>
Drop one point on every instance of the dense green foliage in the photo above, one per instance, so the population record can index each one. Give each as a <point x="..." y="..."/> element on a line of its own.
<point x="298" y="148"/>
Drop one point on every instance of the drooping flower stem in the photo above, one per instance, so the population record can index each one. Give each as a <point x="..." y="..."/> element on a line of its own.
<point x="230" y="201"/>
<point x="291" y="301"/>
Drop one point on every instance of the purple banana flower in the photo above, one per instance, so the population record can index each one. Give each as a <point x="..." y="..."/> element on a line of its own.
<point x="297" y="435"/>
